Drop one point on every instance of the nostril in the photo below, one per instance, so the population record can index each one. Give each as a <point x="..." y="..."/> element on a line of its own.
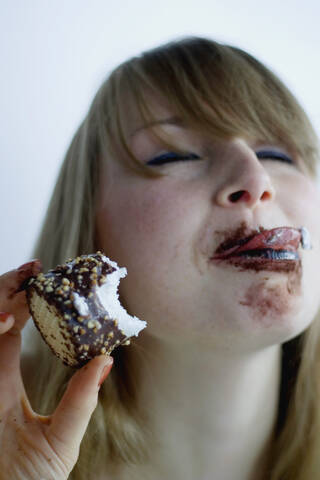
<point x="244" y="195"/>
<point x="234" y="197"/>
<point x="266" y="196"/>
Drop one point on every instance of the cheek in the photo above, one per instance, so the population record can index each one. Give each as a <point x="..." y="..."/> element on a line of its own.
<point x="303" y="209"/>
<point x="300" y="199"/>
<point x="150" y="232"/>
<point x="144" y="225"/>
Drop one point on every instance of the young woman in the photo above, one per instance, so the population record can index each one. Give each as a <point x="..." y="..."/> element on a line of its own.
<point x="195" y="168"/>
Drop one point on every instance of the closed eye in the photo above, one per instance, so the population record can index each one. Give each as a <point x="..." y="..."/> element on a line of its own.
<point x="274" y="155"/>
<point x="172" y="157"/>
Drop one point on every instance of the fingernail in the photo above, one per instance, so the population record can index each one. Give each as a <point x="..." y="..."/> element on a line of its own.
<point x="34" y="267"/>
<point x="105" y="371"/>
<point x="4" y="316"/>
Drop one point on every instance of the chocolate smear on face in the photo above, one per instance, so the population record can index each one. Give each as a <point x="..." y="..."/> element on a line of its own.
<point x="268" y="302"/>
<point x="239" y="236"/>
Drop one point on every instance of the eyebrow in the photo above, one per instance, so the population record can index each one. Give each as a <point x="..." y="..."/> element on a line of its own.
<point x="165" y="121"/>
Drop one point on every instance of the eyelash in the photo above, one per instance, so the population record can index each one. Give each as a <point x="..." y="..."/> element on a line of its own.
<point x="170" y="157"/>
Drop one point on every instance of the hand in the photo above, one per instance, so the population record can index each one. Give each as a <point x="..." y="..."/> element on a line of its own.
<point x="32" y="446"/>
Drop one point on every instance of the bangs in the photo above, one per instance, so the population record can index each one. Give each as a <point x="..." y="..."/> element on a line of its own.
<point x="218" y="90"/>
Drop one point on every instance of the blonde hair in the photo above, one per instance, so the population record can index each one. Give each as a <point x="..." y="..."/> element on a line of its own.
<point x="223" y="91"/>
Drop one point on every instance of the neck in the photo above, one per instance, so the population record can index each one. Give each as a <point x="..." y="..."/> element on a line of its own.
<point x="212" y="414"/>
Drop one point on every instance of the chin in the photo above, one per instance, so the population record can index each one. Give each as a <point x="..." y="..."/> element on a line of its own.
<point x="279" y="328"/>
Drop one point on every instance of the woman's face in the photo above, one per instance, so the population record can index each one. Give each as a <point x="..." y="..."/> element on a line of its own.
<point x="165" y="230"/>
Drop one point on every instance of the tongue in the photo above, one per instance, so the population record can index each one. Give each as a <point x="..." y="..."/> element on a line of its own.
<point x="282" y="238"/>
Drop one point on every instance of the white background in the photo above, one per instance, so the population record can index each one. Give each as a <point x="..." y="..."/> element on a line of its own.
<point x="55" y="54"/>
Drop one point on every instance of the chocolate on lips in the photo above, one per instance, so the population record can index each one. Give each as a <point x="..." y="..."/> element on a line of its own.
<point x="281" y="238"/>
<point x="76" y="309"/>
<point x="274" y="250"/>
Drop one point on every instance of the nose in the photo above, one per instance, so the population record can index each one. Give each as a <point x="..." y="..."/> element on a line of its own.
<point x="246" y="180"/>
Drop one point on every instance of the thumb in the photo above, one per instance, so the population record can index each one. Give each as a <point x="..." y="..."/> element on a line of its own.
<point x="70" y="419"/>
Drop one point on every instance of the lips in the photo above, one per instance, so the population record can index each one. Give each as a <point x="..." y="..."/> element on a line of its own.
<point x="268" y="243"/>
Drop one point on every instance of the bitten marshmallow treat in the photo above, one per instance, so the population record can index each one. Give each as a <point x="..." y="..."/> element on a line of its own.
<point x="76" y="308"/>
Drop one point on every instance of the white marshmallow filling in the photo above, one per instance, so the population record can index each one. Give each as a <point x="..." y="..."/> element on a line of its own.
<point x="109" y="299"/>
